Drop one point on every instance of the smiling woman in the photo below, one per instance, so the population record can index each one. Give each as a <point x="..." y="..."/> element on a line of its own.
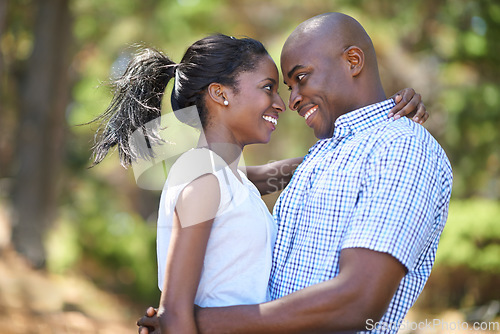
<point x="215" y="234"/>
<point x="254" y="114"/>
<point x="207" y="77"/>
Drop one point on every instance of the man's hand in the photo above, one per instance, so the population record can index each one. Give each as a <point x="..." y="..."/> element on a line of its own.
<point x="149" y="324"/>
<point x="409" y="104"/>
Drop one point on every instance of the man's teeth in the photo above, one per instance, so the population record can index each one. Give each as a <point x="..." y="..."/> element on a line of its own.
<point x="310" y="112"/>
<point x="270" y="119"/>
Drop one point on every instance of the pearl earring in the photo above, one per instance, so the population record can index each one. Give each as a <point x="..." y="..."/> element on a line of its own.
<point x="226" y="102"/>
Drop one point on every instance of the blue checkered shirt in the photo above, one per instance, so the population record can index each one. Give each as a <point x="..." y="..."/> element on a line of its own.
<point x="379" y="184"/>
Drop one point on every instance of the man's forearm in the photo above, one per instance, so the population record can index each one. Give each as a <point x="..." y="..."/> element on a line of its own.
<point x="231" y="319"/>
<point x="311" y="310"/>
<point x="362" y="291"/>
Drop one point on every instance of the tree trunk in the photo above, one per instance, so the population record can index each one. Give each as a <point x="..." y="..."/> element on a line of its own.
<point x="3" y="25"/>
<point x="44" y="98"/>
<point x="3" y="19"/>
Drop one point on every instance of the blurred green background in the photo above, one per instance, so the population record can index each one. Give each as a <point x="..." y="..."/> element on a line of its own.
<point x="97" y="224"/>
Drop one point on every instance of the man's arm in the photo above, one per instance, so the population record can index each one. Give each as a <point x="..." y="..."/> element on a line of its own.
<point x="361" y="292"/>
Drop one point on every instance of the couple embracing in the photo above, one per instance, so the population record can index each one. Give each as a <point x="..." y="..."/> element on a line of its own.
<point x="354" y="234"/>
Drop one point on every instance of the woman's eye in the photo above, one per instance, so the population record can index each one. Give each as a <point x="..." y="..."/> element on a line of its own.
<point x="300" y="77"/>
<point x="268" y="87"/>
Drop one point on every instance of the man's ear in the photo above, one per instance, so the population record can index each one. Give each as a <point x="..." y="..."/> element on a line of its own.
<point x="217" y="93"/>
<point x="355" y="58"/>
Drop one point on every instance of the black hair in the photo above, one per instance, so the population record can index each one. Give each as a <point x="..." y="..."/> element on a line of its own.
<point x="139" y="91"/>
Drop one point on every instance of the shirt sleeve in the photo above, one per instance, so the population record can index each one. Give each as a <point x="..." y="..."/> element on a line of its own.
<point x="395" y="209"/>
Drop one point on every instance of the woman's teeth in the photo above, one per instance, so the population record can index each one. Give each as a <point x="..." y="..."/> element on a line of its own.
<point x="270" y="119"/>
<point x="310" y="112"/>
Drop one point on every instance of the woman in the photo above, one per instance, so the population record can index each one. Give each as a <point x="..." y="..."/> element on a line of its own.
<point x="215" y="234"/>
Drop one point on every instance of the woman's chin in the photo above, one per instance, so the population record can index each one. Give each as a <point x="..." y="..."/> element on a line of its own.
<point x="261" y="141"/>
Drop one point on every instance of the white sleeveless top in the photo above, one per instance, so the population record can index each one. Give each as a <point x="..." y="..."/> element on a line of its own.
<point x="239" y="252"/>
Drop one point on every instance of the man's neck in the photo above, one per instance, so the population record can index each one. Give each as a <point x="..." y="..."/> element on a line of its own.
<point x="372" y="92"/>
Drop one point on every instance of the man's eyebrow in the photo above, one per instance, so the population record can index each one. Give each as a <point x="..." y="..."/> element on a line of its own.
<point x="295" y="68"/>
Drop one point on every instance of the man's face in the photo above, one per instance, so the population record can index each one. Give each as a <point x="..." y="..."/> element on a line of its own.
<point x="319" y="82"/>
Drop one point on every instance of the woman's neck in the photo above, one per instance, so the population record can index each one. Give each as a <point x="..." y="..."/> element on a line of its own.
<point x="224" y="148"/>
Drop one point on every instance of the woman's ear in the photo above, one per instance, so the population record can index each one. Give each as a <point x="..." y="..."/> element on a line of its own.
<point x="217" y="94"/>
<point x="355" y="58"/>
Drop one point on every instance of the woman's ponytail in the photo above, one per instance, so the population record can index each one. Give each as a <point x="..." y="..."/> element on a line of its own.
<point x="137" y="100"/>
<point x="139" y="91"/>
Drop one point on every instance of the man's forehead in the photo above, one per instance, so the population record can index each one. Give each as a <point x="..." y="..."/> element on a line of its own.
<point x="296" y="47"/>
<point x="298" y="54"/>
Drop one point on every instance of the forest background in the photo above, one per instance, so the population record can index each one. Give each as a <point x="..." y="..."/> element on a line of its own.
<point x="77" y="245"/>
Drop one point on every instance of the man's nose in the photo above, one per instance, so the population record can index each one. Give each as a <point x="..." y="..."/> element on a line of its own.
<point x="295" y="99"/>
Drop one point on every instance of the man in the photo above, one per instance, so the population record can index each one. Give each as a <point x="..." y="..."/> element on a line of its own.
<point x="360" y="221"/>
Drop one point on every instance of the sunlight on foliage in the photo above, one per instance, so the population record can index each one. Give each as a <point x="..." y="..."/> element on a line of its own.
<point x="471" y="237"/>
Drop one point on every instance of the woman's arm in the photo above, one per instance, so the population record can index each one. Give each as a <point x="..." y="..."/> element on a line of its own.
<point x="194" y="214"/>
<point x="273" y="176"/>
<point x="409" y="103"/>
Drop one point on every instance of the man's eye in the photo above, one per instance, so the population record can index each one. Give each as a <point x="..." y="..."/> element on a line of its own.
<point x="268" y="87"/>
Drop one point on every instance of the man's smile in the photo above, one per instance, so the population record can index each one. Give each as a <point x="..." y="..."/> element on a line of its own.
<point x="310" y="112"/>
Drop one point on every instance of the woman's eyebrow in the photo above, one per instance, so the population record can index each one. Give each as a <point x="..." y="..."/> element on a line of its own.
<point x="270" y="79"/>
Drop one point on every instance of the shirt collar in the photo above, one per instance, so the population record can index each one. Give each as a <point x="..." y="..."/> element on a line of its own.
<point x="363" y="118"/>
<point x="356" y="121"/>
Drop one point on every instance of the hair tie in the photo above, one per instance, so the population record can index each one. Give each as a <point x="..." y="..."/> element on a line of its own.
<point x="176" y="79"/>
<point x="175" y="67"/>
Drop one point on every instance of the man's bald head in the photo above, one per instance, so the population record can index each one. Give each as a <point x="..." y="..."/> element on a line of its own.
<point x="333" y="32"/>
<point x="330" y="67"/>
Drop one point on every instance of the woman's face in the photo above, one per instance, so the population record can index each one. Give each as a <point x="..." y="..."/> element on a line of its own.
<point x="254" y="109"/>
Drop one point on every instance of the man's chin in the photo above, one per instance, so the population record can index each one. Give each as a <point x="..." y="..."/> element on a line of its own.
<point x="323" y="134"/>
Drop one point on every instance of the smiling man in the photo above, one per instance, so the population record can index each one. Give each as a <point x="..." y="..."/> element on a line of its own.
<point x="330" y="66"/>
<point x="360" y="222"/>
